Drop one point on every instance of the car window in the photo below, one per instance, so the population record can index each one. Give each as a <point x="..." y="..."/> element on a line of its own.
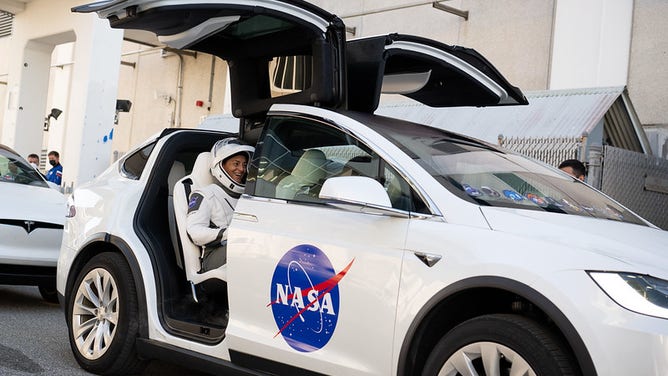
<point x="296" y="156"/>
<point x="485" y="175"/>
<point x="133" y="165"/>
<point x="18" y="171"/>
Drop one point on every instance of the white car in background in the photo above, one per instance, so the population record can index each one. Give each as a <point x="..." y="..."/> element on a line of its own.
<point x="32" y="215"/>
<point x="363" y="245"/>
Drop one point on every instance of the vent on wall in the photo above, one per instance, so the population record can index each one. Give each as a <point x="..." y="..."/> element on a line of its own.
<point x="6" y="20"/>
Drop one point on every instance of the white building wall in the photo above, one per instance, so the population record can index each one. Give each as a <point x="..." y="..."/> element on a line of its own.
<point x="149" y="78"/>
<point x="648" y="69"/>
<point x="591" y="43"/>
<point x="83" y="81"/>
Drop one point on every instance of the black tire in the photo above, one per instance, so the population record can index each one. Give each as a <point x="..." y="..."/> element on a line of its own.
<point x="49" y="293"/>
<point x="115" y="354"/>
<point x="506" y="334"/>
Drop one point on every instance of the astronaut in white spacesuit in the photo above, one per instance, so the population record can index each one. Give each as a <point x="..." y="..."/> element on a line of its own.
<point x="210" y="208"/>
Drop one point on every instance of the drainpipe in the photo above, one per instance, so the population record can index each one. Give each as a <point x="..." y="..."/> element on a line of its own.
<point x="178" y="104"/>
<point x="211" y="82"/>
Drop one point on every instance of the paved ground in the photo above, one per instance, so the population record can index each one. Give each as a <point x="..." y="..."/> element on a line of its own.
<point x="33" y="338"/>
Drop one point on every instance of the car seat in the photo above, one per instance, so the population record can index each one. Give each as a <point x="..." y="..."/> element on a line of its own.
<point x="177" y="171"/>
<point x="192" y="262"/>
<point x="306" y="178"/>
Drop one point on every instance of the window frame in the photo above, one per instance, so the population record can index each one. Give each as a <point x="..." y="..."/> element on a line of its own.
<point x="383" y="167"/>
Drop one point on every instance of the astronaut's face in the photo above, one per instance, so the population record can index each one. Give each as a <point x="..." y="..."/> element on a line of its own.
<point x="236" y="167"/>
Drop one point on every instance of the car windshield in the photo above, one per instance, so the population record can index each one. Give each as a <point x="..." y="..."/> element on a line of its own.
<point x="486" y="175"/>
<point x="14" y="169"/>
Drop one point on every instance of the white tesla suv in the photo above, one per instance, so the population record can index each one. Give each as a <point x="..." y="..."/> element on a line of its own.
<point x="363" y="245"/>
<point x="31" y="226"/>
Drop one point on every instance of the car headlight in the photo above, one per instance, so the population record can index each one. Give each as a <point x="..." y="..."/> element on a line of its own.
<point x="636" y="292"/>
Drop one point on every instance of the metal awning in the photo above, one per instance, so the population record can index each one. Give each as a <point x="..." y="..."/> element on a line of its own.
<point x="550" y="114"/>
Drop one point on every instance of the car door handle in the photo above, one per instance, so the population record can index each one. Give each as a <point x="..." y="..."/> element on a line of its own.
<point x="245" y="217"/>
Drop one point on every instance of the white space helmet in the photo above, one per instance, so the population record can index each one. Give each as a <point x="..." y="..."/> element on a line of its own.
<point x="223" y="150"/>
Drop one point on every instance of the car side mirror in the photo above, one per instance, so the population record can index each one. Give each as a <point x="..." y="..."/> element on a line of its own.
<point x="355" y="189"/>
<point x="359" y="194"/>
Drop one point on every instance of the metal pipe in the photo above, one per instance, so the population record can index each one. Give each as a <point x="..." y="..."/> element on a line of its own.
<point x="398" y="7"/>
<point x="211" y="81"/>
<point x="457" y="12"/>
<point x="179" y="94"/>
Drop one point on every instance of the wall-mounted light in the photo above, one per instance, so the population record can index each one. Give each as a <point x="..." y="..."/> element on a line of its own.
<point x="122" y="105"/>
<point x="55" y="112"/>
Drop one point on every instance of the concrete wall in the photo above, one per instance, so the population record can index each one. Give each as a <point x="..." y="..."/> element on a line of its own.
<point x="81" y="81"/>
<point x="4" y="51"/>
<point x="591" y="43"/>
<point x="514" y="35"/>
<point x="149" y="78"/>
<point x="648" y="70"/>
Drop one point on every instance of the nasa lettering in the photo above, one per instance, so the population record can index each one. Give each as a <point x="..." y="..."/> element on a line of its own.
<point x="305" y="297"/>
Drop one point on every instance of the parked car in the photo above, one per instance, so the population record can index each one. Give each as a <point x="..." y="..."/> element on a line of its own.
<point x="363" y="245"/>
<point x="31" y="225"/>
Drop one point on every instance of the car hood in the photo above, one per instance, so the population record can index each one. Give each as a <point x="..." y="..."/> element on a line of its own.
<point x="26" y="202"/>
<point x="642" y="249"/>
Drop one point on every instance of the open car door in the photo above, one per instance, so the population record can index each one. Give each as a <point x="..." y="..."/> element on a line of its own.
<point x="427" y="71"/>
<point x="286" y="51"/>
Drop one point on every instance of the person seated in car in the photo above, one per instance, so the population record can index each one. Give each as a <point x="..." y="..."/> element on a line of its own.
<point x="210" y="208"/>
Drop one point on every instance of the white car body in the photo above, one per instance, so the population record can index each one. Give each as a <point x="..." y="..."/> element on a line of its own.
<point x="375" y="274"/>
<point x="31" y="223"/>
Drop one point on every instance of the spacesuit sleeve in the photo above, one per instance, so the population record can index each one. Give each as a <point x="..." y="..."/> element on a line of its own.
<point x="200" y="228"/>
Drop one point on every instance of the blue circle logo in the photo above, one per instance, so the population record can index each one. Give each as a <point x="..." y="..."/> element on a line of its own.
<point x="305" y="297"/>
<point x="513" y="195"/>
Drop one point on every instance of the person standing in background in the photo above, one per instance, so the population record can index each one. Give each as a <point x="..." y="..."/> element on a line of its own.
<point x="33" y="159"/>
<point x="574" y="168"/>
<point x="55" y="174"/>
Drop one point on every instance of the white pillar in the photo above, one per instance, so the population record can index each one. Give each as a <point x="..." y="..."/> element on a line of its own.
<point x="92" y="102"/>
<point x="27" y="83"/>
<point x="84" y="130"/>
<point x="592" y="42"/>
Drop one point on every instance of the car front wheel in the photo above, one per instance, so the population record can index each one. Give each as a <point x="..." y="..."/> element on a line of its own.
<point x="102" y="317"/>
<point x="499" y="345"/>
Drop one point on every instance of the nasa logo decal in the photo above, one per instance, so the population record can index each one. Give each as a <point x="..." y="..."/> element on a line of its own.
<point x="305" y="297"/>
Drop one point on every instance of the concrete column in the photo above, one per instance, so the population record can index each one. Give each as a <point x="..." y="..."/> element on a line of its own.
<point x="592" y="43"/>
<point x="92" y="102"/>
<point x="27" y="82"/>
<point x="85" y="129"/>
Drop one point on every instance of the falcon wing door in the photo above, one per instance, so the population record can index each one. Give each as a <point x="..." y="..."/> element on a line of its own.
<point x="278" y="51"/>
<point x="430" y="72"/>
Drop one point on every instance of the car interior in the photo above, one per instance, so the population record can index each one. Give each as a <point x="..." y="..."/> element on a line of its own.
<point x="174" y="257"/>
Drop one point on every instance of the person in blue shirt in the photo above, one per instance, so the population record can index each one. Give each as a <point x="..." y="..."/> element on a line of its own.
<point x="55" y="174"/>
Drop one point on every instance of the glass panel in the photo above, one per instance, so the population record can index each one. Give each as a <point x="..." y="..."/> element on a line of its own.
<point x="15" y="170"/>
<point x="290" y="74"/>
<point x="487" y="176"/>
<point x="134" y="165"/>
<point x="296" y="156"/>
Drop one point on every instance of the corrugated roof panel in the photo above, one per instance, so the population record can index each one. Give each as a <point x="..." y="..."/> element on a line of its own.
<point x="556" y="113"/>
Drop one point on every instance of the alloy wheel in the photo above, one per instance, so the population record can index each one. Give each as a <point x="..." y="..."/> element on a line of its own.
<point x="95" y="313"/>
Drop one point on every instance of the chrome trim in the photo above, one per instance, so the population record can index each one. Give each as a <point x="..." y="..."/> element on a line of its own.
<point x="456" y="62"/>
